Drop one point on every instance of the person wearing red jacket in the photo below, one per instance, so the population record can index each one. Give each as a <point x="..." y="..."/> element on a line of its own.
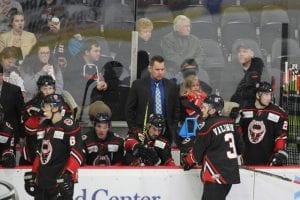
<point x="149" y="147"/>
<point x="102" y="146"/>
<point x="59" y="154"/>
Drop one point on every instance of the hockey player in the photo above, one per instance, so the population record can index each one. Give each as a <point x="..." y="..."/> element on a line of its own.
<point x="32" y="116"/>
<point x="8" y="158"/>
<point x="215" y="149"/>
<point x="265" y="128"/>
<point x="102" y="146"/>
<point x="149" y="148"/>
<point x="59" y="154"/>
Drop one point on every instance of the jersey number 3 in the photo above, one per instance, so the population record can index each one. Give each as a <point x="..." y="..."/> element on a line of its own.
<point x="231" y="154"/>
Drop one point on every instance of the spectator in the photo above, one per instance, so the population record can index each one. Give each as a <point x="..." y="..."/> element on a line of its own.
<point x="253" y="69"/>
<point x="102" y="146"/>
<point x="265" y="130"/>
<point x="7" y="147"/>
<point x="144" y="27"/>
<point x="8" y="7"/>
<point x="216" y="147"/>
<point x="8" y="59"/>
<point x="191" y="97"/>
<point x="17" y="36"/>
<point x="50" y="9"/>
<point x="154" y="94"/>
<point x="190" y="67"/>
<point x="40" y="62"/>
<point x="12" y="101"/>
<point x="88" y="66"/>
<point x="32" y="116"/>
<point x="59" y="154"/>
<point x="149" y="147"/>
<point x="180" y="45"/>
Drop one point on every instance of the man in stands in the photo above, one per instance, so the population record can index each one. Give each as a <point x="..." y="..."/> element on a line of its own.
<point x="180" y="44"/>
<point x="90" y="67"/>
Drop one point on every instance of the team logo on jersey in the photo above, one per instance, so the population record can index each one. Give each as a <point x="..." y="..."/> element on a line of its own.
<point x="256" y="131"/>
<point x="46" y="152"/>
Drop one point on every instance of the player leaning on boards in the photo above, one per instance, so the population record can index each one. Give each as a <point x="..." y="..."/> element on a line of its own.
<point x="215" y="147"/>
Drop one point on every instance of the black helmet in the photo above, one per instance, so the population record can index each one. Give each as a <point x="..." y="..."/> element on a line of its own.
<point x="264" y="87"/>
<point x="101" y="118"/>
<point x="55" y="100"/>
<point x="45" y="80"/>
<point x="215" y="101"/>
<point x="157" y="120"/>
<point x="1" y="114"/>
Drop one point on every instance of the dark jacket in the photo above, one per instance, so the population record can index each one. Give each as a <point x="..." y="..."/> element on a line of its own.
<point x="245" y="91"/>
<point x="140" y="95"/>
<point x="12" y="102"/>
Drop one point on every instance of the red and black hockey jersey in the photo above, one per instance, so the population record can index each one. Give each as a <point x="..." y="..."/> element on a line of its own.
<point x="59" y="148"/>
<point x="161" y="146"/>
<point x="103" y="152"/>
<point x="32" y="117"/>
<point x="264" y="131"/>
<point x="215" y="148"/>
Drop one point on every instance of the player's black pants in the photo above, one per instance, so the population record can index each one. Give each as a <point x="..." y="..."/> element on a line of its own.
<point x="213" y="191"/>
<point x="49" y="194"/>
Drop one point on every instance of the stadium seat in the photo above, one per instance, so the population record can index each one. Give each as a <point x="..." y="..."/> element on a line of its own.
<point x="203" y="25"/>
<point x="272" y="18"/>
<point x="214" y="61"/>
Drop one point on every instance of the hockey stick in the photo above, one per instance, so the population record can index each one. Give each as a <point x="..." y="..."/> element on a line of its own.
<point x="145" y="121"/>
<point x="87" y="85"/>
<point x="269" y="174"/>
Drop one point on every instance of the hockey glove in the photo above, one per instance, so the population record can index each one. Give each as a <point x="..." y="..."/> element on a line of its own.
<point x="148" y="155"/>
<point x="234" y="113"/>
<point x="279" y="158"/>
<point x="185" y="162"/>
<point x="8" y="160"/>
<point x="30" y="184"/>
<point x="35" y="111"/>
<point x="66" y="185"/>
<point x="186" y="145"/>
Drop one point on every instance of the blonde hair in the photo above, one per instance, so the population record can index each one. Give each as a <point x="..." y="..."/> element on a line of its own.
<point x="143" y="23"/>
<point x="178" y="20"/>
<point x="187" y="84"/>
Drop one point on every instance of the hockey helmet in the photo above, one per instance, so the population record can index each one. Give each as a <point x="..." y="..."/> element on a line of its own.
<point x="1" y="114"/>
<point x="157" y="120"/>
<point x="55" y="100"/>
<point x="264" y="87"/>
<point x="102" y="118"/>
<point x="45" y="80"/>
<point x="215" y="101"/>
